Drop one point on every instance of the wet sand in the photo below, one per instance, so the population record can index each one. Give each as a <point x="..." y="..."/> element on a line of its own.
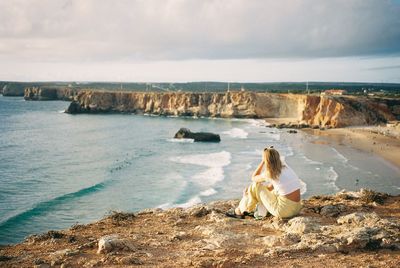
<point x="382" y="141"/>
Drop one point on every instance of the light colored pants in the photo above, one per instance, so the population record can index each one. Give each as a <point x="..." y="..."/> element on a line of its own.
<point x="277" y="205"/>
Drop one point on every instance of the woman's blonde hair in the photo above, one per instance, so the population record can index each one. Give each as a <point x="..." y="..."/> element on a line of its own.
<point x="273" y="163"/>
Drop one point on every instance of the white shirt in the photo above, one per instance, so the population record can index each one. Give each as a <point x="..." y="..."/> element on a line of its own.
<point x="287" y="182"/>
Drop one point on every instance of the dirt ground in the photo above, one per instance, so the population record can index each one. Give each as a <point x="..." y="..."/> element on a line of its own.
<point x="189" y="238"/>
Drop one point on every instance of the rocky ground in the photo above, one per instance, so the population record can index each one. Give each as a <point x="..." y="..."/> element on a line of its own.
<point x="348" y="229"/>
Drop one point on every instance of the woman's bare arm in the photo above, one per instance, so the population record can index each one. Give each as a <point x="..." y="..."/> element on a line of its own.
<point x="256" y="177"/>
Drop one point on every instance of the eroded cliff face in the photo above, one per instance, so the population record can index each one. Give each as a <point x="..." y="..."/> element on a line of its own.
<point x="48" y="93"/>
<point x="11" y="90"/>
<point x="347" y="111"/>
<point x="240" y="104"/>
<point x="308" y="109"/>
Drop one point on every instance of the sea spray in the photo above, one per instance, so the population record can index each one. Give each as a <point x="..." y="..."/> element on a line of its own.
<point x="236" y="133"/>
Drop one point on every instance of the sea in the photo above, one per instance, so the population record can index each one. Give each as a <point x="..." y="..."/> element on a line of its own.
<point x="57" y="169"/>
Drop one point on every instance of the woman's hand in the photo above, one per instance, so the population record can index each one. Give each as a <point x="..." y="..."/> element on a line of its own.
<point x="258" y="178"/>
<point x="256" y="174"/>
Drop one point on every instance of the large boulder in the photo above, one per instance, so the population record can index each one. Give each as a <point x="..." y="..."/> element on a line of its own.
<point x="185" y="133"/>
<point x="74" y="108"/>
<point x="113" y="242"/>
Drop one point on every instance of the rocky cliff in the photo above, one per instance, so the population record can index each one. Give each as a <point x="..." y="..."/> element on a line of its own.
<point x="49" y="93"/>
<point x="348" y="229"/>
<point x="12" y="89"/>
<point x="307" y="109"/>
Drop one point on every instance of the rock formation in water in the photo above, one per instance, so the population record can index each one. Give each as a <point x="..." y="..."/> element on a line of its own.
<point x="49" y="93"/>
<point x="185" y="133"/>
<point x="331" y="111"/>
<point x="12" y="90"/>
<point x="341" y="230"/>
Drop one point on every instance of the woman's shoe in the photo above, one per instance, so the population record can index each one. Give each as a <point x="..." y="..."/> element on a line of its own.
<point x="231" y="213"/>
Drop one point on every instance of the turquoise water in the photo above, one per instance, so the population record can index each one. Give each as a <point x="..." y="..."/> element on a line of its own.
<point x="58" y="169"/>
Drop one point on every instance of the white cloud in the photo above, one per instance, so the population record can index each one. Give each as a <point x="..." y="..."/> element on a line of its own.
<point x="244" y="70"/>
<point x="70" y="35"/>
<point x="96" y="30"/>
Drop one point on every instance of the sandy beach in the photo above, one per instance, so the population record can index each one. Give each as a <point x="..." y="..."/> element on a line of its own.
<point x="380" y="140"/>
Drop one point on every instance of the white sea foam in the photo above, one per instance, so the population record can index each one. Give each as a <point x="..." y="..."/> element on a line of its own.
<point x="303" y="187"/>
<point x="61" y="112"/>
<point x="220" y="159"/>
<point x="257" y="152"/>
<point x="273" y="135"/>
<point x="165" y="206"/>
<point x="309" y="161"/>
<point x="255" y="122"/>
<point x="332" y="177"/>
<point x="236" y="133"/>
<point x="209" y="176"/>
<point x="208" y="192"/>
<point x="287" y="152"/>
<point x="151" y="115"/>
<point x="215" y="163"/>
<point x="340" y="156"/>
<point x="193" y="201"/>
<point x="248" y="166"/>
<point x="181" y="140"/>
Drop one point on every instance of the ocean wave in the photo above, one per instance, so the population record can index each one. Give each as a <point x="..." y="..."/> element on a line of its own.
<point x="215" y="163"/>
<point x="220" y="159"/>
<point x="151" y="115"/>
<point x="181" y="140"/>
<point x="210" y="176"/>
<point x="208" y="192"/>
<point x="248" y="166"/>
<point x="128" y="160"/>
<point x="287" y="152"/>
<point x="255" y="122"/>
<point x="165" y="206"/>
<point x="259" y="152"/>
<point x="49" y="205"/>
<point x="340" y="156"/>
<point x="236" y="133"/>
<point x="303" y="187"/>
<point x="274" y="136"/>
<point x="310" y="161"/>
<point x="332" y="178"/>
<point x="191" y="202"/>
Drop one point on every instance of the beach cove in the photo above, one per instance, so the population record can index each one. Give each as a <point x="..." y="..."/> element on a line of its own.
<point x="96" y="157"/>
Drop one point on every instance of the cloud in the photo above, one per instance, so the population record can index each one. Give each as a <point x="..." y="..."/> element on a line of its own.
<point x="134" y="31"/>
<point x="382" y="68"/>
<point x="242" y="70"/>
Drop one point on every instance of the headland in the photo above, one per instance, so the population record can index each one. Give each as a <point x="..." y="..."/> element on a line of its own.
<point x="305" y="110"/>
<point x="344" y="229"/>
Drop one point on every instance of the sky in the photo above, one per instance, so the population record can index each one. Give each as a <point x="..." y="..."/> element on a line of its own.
<point x="200" y="40"/>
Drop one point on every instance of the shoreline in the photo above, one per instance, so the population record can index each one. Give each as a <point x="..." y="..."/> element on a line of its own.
<point x="378" y="140"/>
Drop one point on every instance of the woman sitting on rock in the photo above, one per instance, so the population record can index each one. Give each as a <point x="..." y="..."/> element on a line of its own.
<point x="281" y="197"/>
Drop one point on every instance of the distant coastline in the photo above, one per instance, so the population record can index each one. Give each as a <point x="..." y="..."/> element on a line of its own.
<point x="14" y="88"/>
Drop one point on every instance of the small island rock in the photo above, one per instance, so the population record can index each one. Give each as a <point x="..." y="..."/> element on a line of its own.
<point x="185" y="133"/>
